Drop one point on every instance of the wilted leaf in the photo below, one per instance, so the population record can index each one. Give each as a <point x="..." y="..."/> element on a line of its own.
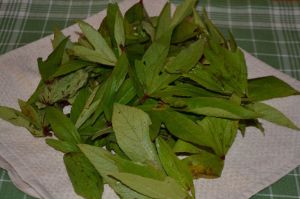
<point x="63" y="88"/>
<point x="17" y="118"/>
<point x="205" y="165"/>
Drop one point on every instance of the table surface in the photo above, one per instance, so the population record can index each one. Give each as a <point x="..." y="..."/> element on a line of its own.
<point x="270" y="30"/>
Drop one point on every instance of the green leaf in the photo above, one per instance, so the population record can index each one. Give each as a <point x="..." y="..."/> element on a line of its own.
<point x="79" y="103"/>
<point x="84" y="177"/>
<point x="126" y="92"/>
<point x="164" y="21"/>
<point x="199" y="22"/>
<point x="185" y="147"/>
<point x="63" y="88"/>
<point x="98" y="42"/>
<point x="182" y="11"/>
<point x="184" y="90"/>
<point x="114" y="82"/>
<point x="269" y="87"/>
<point x="205" y="78"/>
<point x="62" y="146"/>
<point x="30" y="112"/>
<point x="105" y="163"/>
<point x="149" y="29"/>
<point x="36" y="94"/>
<point x="223" y="132"/>
<point x="173" y="166"/>
<point x="91" y="55"/>
<point x="49" y="67"/>
<point x="71" y="66"/>
<point x="214" y="33"/>
<point x="17" y="118"/>
<point x="131" y="127"/>
<point x="91" y="105"/>
<point x="185" y="31"/>
<point x="133" y="20"/>
<point x="155" y="126"/>
<point x="62" y="126"/>
<point x="271" y="114"/>
<point x="119" y="31"/>
<point x="58" y="38"/>
<point x="217" y="107"/>
<point x="187" y="58"/>
<point x="235" y="63"/>
<point x="184" y="128"/>
<point x="167" y="189"/>
<point x="99" y="157"/>
<point x="153" y="62"/>
<point x="205" y="165"/>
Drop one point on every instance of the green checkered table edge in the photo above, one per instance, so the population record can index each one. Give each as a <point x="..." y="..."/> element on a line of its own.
<point x="270" y="30"/>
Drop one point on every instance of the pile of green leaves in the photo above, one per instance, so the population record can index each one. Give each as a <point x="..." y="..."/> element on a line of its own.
<point x="143" y="91"/>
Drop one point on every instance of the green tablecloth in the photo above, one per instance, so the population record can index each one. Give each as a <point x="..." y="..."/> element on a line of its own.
<point x="269" y="29"/>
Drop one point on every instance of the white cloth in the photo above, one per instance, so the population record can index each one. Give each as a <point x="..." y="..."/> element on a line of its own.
<point x="253" y="162"/>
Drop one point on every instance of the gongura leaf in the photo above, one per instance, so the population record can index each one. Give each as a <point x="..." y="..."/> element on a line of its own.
<point x="51" y="64"/>
<point x="184" y="128"/>
<point x="126" y="92"/>
<point x="217" y="107"/>
<point x="79" y="103"/>
<point x="105" y="163"/>
<point x="182" y="10"/>
<point x="185" y="30"/>
<point x="58" y="38"/>
<point x="131" y="127"/>
<point x="114" y="82"/>
<point x="223" y="132"/>
<point x="182" y="147"/>
<point x="214" y="33"/>
<point x="71" y="66"/>
<point x="271" y="114"/>
<point x="167" y="189"/>
<point x="119" y="31"/>
<point x="84" y="177"/>
<point x="264" y="88"/>
<point x="205" y="78"/>
<point x="153" y="61"/>
<point x="205" y="165"/>
<point x="63" y="88"/>
<point x="174" y="167"/>
<point x="62" y="146"/>
<point x="87" y="54"/>
<point x="17" y="118"/>
<point x="187" y="58"/>
<point x="31" y="113"/>
<point x="98" y="42"/>
<point x="164" y="21"/>
<point x="91" y="105"/>
<point x="62" y="126"/>
<point x="187" y="90"/>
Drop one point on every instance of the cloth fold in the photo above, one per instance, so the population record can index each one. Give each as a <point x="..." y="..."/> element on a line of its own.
<point x="253" y="162"/>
